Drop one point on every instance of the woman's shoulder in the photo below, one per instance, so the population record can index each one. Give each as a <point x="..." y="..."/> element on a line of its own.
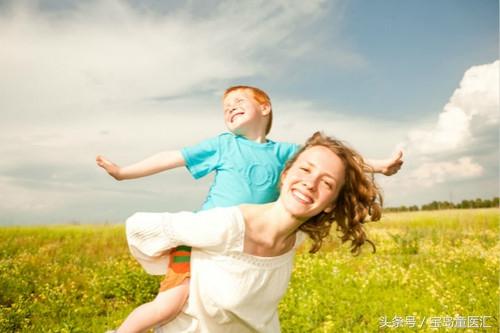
<point x="300" y="237"/>
<point x="226" y="213"/>
<point x="227" y="221"/>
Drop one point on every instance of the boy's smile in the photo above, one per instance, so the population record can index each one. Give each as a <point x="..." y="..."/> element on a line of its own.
<point x="235" y="114"/>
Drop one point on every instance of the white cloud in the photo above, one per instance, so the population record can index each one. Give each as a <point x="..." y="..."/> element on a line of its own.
<point x="296" y="120"/>
<point x="451" y="131"/>
<point x="467" y="123"/>
<point x="105" y="77"/>
<point x="99" y="66"/>
<point x="105" y="67"/>
<point x="106" y="52"/>
<point x="429" y="174"/>
<point x="472" y="108"/>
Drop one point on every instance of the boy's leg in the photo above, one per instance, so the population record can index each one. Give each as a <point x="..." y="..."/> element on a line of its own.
<point x="165" y="307"/>
<point x="168" y="303"/>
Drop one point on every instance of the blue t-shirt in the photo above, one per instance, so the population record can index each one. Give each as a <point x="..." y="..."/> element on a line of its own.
<point x="245" y="171"/>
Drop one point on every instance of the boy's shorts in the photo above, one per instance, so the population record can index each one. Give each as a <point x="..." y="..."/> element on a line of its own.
<point x="179" y="267"/>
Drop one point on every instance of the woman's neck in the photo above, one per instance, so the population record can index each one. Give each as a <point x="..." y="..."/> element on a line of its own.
<point x="269" y="229"/>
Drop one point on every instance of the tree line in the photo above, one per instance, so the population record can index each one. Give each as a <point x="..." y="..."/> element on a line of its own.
<point x="437" y="205"/>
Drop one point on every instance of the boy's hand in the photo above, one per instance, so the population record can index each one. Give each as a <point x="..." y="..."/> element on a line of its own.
<point x="391" y="166"/>
<point x="110" y="167"/>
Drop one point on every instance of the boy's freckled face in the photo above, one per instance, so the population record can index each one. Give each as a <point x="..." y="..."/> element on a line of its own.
<point x="241" y="111"/>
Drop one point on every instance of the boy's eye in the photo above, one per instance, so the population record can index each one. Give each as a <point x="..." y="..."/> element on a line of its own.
<point x="304" y="169"/>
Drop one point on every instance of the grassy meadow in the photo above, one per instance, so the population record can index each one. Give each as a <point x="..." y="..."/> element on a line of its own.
<point x="433" y="271"/>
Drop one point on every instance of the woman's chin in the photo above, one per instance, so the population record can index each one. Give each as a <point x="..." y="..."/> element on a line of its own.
<point x="299" y="211"/>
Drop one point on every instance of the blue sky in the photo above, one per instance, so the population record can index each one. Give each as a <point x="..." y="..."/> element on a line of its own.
<point x="128" y="79"/>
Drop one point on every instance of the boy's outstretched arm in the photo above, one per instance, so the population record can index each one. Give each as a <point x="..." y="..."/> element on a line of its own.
<point x="387" y="167"/>
<point x="149" y="166"/>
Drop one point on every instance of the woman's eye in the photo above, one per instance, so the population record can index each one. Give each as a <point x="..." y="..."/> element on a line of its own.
<point x="327" y="184"/>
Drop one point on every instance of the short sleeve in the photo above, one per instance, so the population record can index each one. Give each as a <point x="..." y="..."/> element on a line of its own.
<point x="203" y="158"/>
<point x="286" y="151"/>
<point x="151" y="235"/>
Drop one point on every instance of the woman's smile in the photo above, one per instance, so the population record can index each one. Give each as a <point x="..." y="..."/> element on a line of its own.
<point x="301" y="197"/>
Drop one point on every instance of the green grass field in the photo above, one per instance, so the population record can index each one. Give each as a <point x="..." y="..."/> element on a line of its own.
<point x="432" y="270"/>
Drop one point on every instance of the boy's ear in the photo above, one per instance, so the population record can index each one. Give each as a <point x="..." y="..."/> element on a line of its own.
<point x="265" y="109"/>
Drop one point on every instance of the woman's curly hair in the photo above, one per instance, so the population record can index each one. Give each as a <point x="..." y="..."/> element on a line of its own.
<point x="358" y="198"/>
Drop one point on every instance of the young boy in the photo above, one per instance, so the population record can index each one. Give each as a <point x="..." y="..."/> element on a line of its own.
<point x="247" y="166"/>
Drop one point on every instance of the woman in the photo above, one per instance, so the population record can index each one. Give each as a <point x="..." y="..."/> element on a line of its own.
<point x="242" y="256"/>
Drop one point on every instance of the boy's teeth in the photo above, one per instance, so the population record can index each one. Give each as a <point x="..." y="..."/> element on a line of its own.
<point x="236" y="115"/>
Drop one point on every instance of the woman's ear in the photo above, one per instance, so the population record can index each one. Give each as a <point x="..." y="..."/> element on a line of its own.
<point x="329" y="209"/>
<point x="283" y="175"/>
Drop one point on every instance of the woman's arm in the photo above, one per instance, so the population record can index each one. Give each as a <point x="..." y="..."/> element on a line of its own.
<point x="151" y="235"/>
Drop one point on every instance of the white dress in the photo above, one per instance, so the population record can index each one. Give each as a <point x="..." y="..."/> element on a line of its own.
<point x="230" y="291"/>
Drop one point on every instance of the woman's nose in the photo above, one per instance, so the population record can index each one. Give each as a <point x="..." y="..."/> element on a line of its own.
<point x="308" y="183"/>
